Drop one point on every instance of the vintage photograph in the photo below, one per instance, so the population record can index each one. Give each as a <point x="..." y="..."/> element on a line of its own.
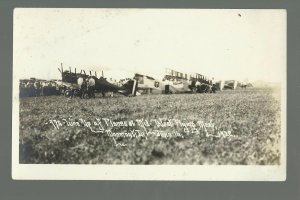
<point x="196" y="94"/>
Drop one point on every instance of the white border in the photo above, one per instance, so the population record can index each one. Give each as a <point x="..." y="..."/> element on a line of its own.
<point x="147" y="172"/>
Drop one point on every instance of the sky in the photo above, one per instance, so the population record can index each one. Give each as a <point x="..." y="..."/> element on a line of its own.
<point x="224" y="44"/>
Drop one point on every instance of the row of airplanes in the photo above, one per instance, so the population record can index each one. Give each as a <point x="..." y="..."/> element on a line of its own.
<point x="173" y="82"/>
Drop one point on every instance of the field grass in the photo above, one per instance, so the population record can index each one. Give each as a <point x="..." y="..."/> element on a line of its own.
<point x="252" y="116"/>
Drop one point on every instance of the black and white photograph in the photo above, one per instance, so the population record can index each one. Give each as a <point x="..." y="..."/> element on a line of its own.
<point x="149" y="94"/>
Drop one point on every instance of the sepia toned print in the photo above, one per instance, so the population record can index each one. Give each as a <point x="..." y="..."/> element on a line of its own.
<point x="194" y="94"/>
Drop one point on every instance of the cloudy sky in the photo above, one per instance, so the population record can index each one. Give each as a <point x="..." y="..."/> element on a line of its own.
<point x="225" y="44"/>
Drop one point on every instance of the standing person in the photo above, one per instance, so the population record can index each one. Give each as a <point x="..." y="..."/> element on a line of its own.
<point x="167" y="85"/>
<point x="82" y="86"/>
<point x="244" y="85"/>
<point x="197" y="85"/>
<point x="80" y="81"/>
<point x="91" y="86"/>
<point x="37" y="87"/>
<point x="31" y="88"/>
<point x="213" y="82"/>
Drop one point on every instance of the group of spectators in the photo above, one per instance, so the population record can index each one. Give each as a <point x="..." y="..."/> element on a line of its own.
<point x="34" y="87"/>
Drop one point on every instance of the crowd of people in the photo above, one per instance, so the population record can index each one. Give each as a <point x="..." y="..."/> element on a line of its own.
<point x="35" y="87"/>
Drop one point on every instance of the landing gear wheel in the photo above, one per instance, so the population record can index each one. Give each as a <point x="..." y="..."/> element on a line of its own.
<point x="194" y="90"/>
<point x="68" y="93"/>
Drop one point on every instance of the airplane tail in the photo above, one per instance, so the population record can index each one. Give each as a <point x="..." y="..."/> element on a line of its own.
<point x="235" y="84"/>
<point x="222" y="84"/>
<point x="134" y="87"/>
<point x="129" y="88"/>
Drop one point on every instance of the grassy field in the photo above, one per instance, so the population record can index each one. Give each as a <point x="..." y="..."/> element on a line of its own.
<point x="251" y="117"/>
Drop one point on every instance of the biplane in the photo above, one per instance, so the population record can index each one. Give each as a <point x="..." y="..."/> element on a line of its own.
<point x="177" y="82"/>
<point x="72" y="84"/>
<point x="230" y="84"/>
<point x="148" y="85"/>
<point x="244" y="84"/>
<point x="202" y="84"/>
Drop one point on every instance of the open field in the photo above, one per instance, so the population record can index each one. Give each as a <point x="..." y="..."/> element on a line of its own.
<point x="251" y="116"/>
